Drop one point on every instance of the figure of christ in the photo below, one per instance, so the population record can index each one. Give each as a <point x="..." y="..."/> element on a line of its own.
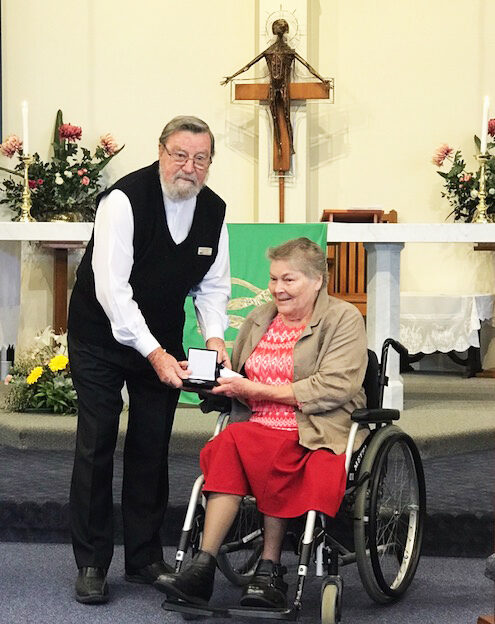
<point x="280" y="58"/>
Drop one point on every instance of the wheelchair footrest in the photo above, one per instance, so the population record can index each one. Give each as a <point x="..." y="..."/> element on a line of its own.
<point x="184" y="607"/>
<point x="249" y="612"/>
<point x="261" y="613"/>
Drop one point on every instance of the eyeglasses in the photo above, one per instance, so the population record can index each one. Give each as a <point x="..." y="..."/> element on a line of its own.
<point x="200" y="161"/>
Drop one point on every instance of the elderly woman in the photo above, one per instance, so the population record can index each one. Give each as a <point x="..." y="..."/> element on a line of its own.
<point x="303" y="357"/>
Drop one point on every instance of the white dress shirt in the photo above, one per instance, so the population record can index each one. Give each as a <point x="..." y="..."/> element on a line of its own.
<point x="113" y="258"/>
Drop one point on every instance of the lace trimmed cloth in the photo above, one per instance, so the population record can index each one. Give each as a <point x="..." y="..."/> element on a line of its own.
<point x="430" y="323"/>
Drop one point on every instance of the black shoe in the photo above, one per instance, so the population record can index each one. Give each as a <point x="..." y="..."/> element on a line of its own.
<point x="194" y="584"/>
<point x="149" y="574"/>
<point x="91" y="586"/>
<point x="267" y="587"/>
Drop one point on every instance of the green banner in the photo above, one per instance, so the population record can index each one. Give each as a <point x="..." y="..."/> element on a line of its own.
<point x="249" y="269"/>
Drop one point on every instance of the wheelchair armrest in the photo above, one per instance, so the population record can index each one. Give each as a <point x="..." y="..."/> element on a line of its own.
<point x="375" y="415"/>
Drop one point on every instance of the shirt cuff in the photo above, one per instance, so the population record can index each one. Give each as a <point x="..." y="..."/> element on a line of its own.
<point x="146" y="345"/>
<point x="214" y="331"/>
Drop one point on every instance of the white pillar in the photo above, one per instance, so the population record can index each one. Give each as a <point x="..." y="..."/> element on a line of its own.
<point x="383" y="311"/>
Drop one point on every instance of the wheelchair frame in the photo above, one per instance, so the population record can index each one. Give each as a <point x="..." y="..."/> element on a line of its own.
<point x="377" y="474"/>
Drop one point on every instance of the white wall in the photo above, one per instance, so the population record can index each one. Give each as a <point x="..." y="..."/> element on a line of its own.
<point x="409" y="75"/>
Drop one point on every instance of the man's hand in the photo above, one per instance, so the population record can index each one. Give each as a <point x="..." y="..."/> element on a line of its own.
<point x="168" y="369"/>
<point x="218" y="344"/>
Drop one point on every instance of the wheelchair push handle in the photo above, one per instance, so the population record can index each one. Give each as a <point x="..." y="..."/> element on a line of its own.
<point x="383" y="379"/>
<point x="396" y="346"/>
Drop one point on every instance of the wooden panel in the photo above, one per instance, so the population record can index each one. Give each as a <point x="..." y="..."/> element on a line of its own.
<point x="297" y="91"/>
<point x="342" y="268"/>
<point x="351" y="268"/>
<point x="361" y="269"/>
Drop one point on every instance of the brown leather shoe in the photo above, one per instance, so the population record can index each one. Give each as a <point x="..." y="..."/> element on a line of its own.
<point x="91" y="586"/>
<point x="148" y="574"/>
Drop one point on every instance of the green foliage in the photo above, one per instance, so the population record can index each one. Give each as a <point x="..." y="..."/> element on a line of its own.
<point x="462" y="186"/>
<point x="53" y="390"/>
<point x="64" y="187"/>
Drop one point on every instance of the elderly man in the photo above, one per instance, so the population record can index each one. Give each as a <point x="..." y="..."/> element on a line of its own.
<point x="159" y="235"/>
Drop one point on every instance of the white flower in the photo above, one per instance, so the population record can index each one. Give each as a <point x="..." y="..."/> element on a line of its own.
<point x="491" y="191"/>
<point x="58" y="179"/>
<point x="68" y="174"/>
<point x="474" y="193"/>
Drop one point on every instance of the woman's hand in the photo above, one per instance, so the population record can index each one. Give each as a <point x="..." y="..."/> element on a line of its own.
<point x="237" y="387"/>
<point x="242" y="388"/>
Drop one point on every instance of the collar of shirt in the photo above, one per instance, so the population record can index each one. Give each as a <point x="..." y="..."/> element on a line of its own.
<point x="179" y="215"/>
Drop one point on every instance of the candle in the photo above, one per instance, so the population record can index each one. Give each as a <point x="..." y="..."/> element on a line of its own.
<point x="484" y="124"/>
<point x="25" y="135"/>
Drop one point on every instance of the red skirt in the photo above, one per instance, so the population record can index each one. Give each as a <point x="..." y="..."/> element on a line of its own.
<point x="286" y="478"/>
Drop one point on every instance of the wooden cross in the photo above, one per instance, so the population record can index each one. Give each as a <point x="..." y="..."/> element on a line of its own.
<point x="297" y="91"/>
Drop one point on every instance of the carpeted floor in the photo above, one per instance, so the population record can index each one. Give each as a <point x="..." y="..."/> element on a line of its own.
<point x="444" y="590"/>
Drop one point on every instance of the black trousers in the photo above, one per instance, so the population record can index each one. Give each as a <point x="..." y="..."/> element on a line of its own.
<point x="99" y="374"/>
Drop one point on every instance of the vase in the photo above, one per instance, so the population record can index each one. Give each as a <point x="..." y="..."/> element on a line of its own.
<point x="64" y="217"/>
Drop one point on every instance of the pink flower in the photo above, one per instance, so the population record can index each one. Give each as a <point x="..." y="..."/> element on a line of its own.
<point x="491" y="127"/>
<point x="11" y="145"/>
<point x="40" y="181"/>
<point x="109" y="144"/>
<point x="85" y="180"/>
<point x="441" y="154"/>
<point x="465" y="178"/>
<point x="70" y="132"/>
<point x="7" y="380"/>
<point x="32" y="184"/>
<point x="81" y="172"/>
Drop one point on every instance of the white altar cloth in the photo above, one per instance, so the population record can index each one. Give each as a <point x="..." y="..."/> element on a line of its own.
<point x="430" y="323"/>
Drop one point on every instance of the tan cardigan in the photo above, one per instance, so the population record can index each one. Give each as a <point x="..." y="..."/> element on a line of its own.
<point x="330" y="360"/>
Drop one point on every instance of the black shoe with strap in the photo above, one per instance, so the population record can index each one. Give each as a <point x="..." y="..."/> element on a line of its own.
<point x="91" y="585"/>
<point x="148" y="574"/>
<point x="267" y="587"/>
<point x="194" y="584"/>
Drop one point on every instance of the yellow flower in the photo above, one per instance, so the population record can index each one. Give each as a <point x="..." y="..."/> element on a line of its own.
<point x="58" y="362"/>
<point x="34" y="375"/>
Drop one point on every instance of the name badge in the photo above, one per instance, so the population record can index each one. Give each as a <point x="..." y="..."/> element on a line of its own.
<point x="205" y="251"/>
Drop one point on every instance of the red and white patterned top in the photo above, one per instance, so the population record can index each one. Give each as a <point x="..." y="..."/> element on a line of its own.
<point x="272" y="362"/>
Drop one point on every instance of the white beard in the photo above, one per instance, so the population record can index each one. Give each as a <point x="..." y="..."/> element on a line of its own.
<point x="183" y="186"/>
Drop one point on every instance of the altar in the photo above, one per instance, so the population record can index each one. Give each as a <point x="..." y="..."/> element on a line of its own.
<point x="384" y="243"/>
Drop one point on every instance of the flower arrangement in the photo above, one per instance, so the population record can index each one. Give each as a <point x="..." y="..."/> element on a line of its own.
<point x="65" y="187"/>
<point x="40" y="379"/>
<point x="462" y="186"/>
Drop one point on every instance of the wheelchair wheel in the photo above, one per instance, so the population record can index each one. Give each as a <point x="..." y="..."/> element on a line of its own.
<point x="331" y="601"/>
<point x="241" y="551"/>
<point x="389" y="514"/>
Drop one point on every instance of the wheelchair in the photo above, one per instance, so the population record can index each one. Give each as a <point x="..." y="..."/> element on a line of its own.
<point x="383" y="511"/>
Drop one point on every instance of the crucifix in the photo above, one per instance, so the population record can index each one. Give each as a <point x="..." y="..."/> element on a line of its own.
<point x="278" y="93"/>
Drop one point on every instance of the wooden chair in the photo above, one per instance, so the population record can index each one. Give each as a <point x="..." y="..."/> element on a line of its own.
<point x="347" y="261"/>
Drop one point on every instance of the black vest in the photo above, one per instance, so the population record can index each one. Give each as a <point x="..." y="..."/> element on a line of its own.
<point x="163" y="273"/>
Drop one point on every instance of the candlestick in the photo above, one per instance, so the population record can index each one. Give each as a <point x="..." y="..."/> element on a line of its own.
<point x="480" y="215"/>
<point x="25" y="133"/>
<point x="484" y="125"/>
<point x="26" y="192"/>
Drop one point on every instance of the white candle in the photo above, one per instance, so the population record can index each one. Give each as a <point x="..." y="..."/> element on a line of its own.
<point x="25" y="132"/>
<point x="484" y="124"/>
